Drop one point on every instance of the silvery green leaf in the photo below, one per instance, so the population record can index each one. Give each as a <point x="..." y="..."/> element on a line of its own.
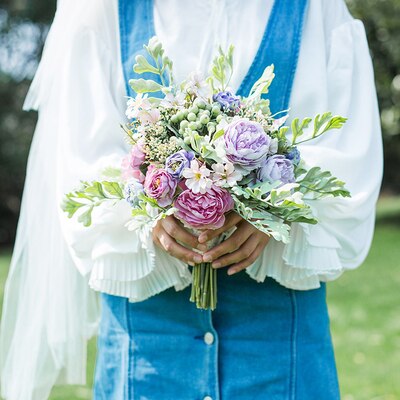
<point x="322" y="123"/>
<point x="86" y="217"/>
<point x="261" y="86"/>
<point x="144" y="85"/>
<point x="322" y="184"/>
<point x="154" y="47"/>
<point x="299" y="127"/>
<point x="142" y="66"/>
<point x="275" y="228"/>
<point x="218" y="134"/>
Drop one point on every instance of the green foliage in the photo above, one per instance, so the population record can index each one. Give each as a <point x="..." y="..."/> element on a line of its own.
<point x="322" y="124"/>
<point x="90" y="195"/>
<point x="145" y="85"/>
<point x="222" y="69"/>
<point x="261" y="87"/>
<point x="159" y="65"/>
<point x="322" y="184"/>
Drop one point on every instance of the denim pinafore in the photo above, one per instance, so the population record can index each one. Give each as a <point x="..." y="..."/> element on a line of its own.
<point x="264" y="341"/>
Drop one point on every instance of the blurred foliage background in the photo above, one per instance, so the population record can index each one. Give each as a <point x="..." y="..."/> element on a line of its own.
<point x="365" y="326"/>
<point x="23" y="28"/>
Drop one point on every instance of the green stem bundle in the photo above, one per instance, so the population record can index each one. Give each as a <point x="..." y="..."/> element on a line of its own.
<point x="204" y="286"/>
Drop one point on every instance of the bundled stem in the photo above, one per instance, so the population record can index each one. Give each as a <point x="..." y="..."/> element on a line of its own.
<point x="204" y="286"/>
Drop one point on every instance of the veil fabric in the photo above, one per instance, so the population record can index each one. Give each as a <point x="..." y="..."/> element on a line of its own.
<point x="49" y="311"/>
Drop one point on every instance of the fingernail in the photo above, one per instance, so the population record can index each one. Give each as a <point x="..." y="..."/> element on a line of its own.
<point x="202" y="247"/>
<point x="198" y="259"/>
<point x="207" y="258"/>
<point x="191" y="263"/>
<point x="216" y="265"/>
<point x="231" y="271"/>
<point x="202" y="238"/>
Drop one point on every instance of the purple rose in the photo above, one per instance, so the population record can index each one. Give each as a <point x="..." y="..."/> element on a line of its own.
<point x="294" y="155"/>
<point x="176" y="162"/>
<point x="246" y="143"/>
<point x="227" y="100"/>
<point x="204" y="211"/>
<point x="160" y="185"/>
<point x="276" y="168"/>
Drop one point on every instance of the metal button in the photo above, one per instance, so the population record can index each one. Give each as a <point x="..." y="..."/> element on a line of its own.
<point x="208" y="398"/>
<point x="209" y="339"/>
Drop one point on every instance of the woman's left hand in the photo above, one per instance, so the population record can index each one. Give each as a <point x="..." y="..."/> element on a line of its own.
<point x="240" y="250"/>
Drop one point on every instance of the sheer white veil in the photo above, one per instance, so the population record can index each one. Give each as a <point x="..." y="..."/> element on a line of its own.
<point x="49" y="311"/>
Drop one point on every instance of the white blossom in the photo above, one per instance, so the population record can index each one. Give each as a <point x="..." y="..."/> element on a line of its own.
<point x="225" y="174"/>
<point x="137" y="104"/>
<point x="197" y="177"/>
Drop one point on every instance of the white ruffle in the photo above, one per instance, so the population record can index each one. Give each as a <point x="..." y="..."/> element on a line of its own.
<point x="140" y="275"/>
<point x="300" y="264"/>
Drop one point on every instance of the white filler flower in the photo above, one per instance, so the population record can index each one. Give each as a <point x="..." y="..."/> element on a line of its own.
<point x="197" y="177"/>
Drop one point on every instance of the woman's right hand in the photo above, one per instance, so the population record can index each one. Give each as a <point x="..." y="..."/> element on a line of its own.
<point x="169" y="231"/>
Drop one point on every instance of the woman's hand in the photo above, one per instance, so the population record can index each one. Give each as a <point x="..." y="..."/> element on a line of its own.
<point x="166" y="234"/>
<point x="240" y="250"/>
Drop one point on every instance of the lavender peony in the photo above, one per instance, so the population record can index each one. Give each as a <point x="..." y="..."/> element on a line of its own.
<point x="176" y="162"/>
<point x="276" y="168"/>
<point x="204" y="211"/>
<point x="160" y="185"/>
<point x="247" y="145"/>
<point x="227" y="100"/>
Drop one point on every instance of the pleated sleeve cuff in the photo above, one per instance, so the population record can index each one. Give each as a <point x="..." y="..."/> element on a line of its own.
<point x="138" y="275"/>
<point x="309" y="258"/>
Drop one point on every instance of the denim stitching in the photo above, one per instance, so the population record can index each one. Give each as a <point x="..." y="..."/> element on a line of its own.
<point x="122" y="34"/>
<point x="293" y="349"/>
<point x="131" y="356"/>
<point x="216" y="356"/>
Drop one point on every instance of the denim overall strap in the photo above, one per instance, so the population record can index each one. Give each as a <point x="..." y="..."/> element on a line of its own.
<point x="136" y="26"/>
<point x="280" y="46"/>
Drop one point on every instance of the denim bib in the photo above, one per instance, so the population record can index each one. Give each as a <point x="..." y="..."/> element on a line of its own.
<point x="280" y="45"/>
<point x="263" y="341"/>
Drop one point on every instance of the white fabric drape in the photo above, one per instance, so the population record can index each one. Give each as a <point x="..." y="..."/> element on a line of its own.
<point x="49" y="310"/>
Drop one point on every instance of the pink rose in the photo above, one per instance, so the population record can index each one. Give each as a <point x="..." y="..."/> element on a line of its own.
<point x="160" y="185"/>
<point x="206" y="210"/>
<point x="131" y="163"/>
<point x="137" y="155"/>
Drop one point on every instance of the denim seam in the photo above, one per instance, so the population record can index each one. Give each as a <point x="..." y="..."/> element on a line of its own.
<point x="216" y="356"/>
<point x="293" y="350"/>
<point x="131" y="358"/>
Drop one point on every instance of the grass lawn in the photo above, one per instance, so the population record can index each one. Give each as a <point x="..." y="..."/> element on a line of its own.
<point x="365" y="319"/>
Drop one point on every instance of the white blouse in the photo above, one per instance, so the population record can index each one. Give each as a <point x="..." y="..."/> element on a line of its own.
<point x="334" y="73"/>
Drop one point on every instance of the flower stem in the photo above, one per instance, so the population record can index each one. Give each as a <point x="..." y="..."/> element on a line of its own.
<point x="204" y="286"/>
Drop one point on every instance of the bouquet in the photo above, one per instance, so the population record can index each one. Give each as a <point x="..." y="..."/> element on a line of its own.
<point x="198" y="152"/>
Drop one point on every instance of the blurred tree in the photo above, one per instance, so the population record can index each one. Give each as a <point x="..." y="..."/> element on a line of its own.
<point x="382" y="24"/>
<point x="23" y="28"/>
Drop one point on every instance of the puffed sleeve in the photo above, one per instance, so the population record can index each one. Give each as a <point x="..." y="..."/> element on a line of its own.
<point x="342" y="238"/>
<point x="88" y="112"/>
